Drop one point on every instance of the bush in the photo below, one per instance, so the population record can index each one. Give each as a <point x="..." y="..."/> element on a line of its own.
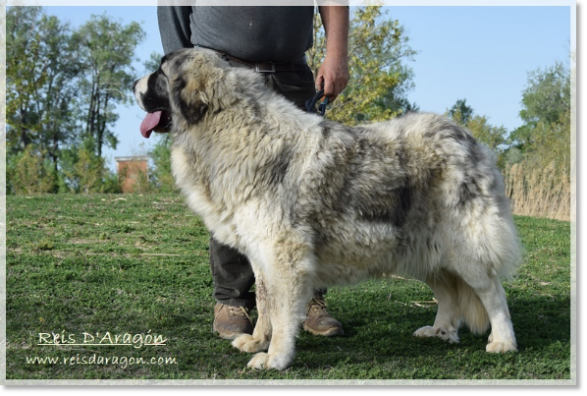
<point x="85" y="172"/>
<point x="89" y="171"/>
<point x="30" y="173"/>
<point x="161" y="176"/>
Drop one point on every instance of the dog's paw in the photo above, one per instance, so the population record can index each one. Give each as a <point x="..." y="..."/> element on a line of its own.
<point x="426" y="331"/>
<point x="501" y="347"/>
<point x="264" y="361"/>
<point x="246" y="343"/>
<point x="449" y="335"/>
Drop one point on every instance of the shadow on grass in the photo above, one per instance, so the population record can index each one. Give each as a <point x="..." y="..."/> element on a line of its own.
<point x="541" y="324"/>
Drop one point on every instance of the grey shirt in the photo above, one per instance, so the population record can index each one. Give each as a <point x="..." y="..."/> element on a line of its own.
<point x="279" y="34"/>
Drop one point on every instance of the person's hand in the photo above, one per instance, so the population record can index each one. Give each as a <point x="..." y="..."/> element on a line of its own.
<point x="334" y="73"/>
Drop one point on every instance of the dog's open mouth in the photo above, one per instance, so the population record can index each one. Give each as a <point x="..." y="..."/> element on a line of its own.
<point x="158" y="121"/>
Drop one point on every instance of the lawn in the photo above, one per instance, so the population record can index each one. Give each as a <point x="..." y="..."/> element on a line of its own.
<point x="136" y="266"/>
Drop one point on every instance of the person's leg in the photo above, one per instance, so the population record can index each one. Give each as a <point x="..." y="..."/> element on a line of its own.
<point x="232" y="272"/>
<point x="233" y="278"/>
<point x="297" y="86"/>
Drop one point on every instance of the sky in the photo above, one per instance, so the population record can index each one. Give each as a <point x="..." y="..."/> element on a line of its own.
<point x="482" y="54"/>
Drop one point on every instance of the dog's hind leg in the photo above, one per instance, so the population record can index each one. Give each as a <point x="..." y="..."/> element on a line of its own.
<point x="493" y="297"/>
<point x="259" y="340"/>
<point x="448" y="317"/>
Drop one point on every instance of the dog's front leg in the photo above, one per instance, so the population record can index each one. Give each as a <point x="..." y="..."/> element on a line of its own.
<point x="289" y="286"/>
<point x="259" y="340"/>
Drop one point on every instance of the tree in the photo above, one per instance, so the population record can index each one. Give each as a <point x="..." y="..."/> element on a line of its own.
<point x="23" y="74"/>
<point x="461" y="112"/>
<point x="492" y="136"/>
<point x="547" y="96"/>
<point x="84" y="172"/>
<point x="395" y="98"/>
<point x="40" y="70"/>
<point x="546" y="101"/>
<point x="106" y="52"/>
<point x="153" y="62"/>
<point x="62" y="88"/>
<point x="378" y="80"/>
<point x="539" y="175"/>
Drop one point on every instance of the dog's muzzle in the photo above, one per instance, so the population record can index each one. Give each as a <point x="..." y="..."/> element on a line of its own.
<point x="158" y="121"/>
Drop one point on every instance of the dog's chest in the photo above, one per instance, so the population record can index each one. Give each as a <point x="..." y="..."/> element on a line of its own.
<point x="192" y="180"/>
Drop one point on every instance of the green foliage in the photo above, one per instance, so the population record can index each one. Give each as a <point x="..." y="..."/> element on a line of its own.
<point x="546" y="103"/>
<point x="40" y="70"/>
<point x="62" y="87"/>
<point x="152" y="63"/>
<point x="84" y="172"/>
<point x="161" y="176"/>
<point x="545" y="138"/>
<point x="492" y="136"/>
<point x="110" y="183"/>
<point x="67" y="179"/>
<point x="538" y="163"/>
<point x="31" y="173"/>
<point x="551" y="145"/>
<point x="547" y="96"/>
<point x="89" y="170"/>
<point x="461" y="112"/>
<point x="378" y="80"/>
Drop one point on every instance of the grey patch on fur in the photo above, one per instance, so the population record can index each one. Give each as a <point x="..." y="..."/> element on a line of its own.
<point x="276" y="170"/>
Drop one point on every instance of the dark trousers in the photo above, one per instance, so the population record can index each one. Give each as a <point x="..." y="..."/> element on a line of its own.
<point x="232" y="272"/>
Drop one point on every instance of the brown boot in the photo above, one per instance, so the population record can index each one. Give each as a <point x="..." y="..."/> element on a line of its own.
<point x="230" y="322"/>
<point x="318" y="320"/>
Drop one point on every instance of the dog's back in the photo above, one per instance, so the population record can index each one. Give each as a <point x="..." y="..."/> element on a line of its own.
<point x="402" y="196"/>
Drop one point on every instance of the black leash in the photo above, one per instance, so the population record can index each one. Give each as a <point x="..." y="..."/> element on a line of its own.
<point x="311" y="103"/>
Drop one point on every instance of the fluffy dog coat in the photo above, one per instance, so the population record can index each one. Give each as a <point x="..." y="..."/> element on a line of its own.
<point x="313" y="203"/>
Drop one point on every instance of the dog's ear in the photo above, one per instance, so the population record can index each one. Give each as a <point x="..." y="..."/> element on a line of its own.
<point x="188" y="98"/>
<point x="201" y="90"/>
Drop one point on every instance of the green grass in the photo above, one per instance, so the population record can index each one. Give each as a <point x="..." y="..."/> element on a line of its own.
<point x="130" y="264"/>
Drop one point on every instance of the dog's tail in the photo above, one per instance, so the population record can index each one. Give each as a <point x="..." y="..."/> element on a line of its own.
<point x="458" y="302"/>
<point x="471" y="308"/>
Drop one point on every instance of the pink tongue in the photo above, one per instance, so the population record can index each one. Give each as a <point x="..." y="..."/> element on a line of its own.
<point x="149" y="123"/>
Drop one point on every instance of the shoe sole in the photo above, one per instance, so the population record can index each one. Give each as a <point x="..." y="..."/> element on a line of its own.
<point x="228" y="336"/>
<point x="332" y="332"/>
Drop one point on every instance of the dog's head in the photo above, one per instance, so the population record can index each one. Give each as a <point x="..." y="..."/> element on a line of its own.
<point x="188" y="84"/>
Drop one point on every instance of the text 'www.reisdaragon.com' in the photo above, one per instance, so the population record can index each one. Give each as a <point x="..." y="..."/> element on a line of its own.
<point x="101" y="360"/>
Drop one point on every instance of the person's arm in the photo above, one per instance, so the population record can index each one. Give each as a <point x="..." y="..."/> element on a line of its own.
<point x="334" y="71"/>
<point x="174" y="27"/>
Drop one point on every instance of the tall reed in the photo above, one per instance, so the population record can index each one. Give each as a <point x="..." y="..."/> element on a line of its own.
<point x="539" y="192"/>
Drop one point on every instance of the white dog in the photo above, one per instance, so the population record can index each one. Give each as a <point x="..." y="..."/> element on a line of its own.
<point x="314" y="204"/>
